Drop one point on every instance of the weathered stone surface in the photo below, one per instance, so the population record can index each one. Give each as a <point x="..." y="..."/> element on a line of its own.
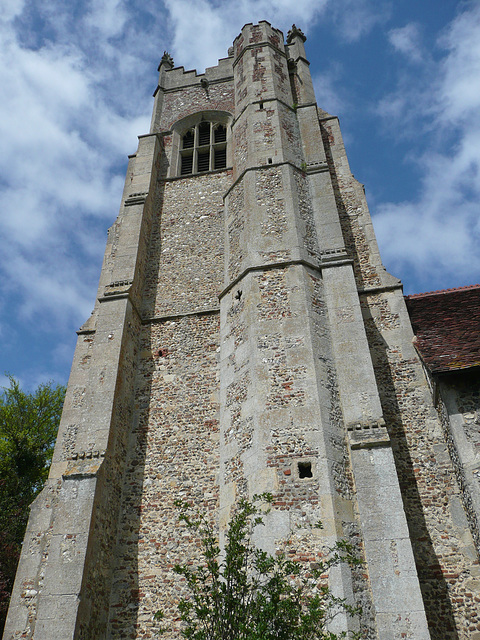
<point x="247" y="338"/>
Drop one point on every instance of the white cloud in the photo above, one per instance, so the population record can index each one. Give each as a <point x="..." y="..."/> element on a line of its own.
<point x="392" y="109"/>
<point x="329" y="92"/>
<point x="200" y="42"/>
<point x="459" y="96"/>
<point x="437" y="235"/>
<point x="64" y="140"/>
<point x="407" y="41"/>
<point x="355" y="18"/>
<point x="49" y="287"/>
<point x="107" y="16"/>
<point x="11" y="8"/>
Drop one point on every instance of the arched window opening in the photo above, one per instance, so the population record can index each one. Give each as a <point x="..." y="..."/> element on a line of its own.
<point x="203" y="148"/>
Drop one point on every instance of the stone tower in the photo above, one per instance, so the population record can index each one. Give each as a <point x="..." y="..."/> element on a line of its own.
<point x="246" y="338"/>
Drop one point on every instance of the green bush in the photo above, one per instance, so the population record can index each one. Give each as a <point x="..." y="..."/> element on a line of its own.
<point x="244" y="593"/>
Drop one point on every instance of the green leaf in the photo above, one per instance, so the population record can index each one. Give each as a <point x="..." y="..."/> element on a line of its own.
<point x="245" y="593"/>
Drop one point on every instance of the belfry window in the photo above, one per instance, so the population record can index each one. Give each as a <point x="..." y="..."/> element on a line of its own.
<point x="203" y="148"/>
<point x="188" y="140"/>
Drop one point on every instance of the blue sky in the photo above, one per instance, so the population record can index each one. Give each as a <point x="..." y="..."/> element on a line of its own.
<point x="77" y="80"/>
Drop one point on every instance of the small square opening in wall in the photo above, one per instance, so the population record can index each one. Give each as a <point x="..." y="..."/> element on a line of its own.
<point x="305" y="470"/>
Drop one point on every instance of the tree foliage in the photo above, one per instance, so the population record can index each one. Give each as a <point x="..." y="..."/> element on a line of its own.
<point x="28" y="427"/>
<point x="244" y="593"/>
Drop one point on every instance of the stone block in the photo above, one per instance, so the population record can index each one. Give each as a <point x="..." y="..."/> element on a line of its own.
<point x="393" y="556"/>
<point x="72" y="514"/>
<point x="374" y="467"/>
<point x="64" y="569"/>
<point x="396" y="594"/>
<point x="402" y="626"/>
<point x="56" y="617"/>
<point x="17" y="620"/>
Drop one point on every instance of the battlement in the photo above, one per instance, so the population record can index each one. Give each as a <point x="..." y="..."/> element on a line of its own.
<point x="253" y="35"/>
<point x="263" y="26"/>
<point x="178" y="78"/>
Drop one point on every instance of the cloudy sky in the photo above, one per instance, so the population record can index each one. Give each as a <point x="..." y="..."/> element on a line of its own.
<point x="76" y="82"/>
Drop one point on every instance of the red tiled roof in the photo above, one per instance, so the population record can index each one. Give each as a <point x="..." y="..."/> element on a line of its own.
<point x="446" y="324"/>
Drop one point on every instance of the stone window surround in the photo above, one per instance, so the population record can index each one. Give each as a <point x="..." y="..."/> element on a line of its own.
<point x="181" y="127"/>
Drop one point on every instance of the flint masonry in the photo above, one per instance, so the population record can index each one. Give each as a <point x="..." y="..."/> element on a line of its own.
<point x="247" y="338"/>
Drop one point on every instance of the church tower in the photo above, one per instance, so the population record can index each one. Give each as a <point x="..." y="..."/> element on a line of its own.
<point x="246" y="338"/>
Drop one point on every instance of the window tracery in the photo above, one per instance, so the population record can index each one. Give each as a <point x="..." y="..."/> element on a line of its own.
<point x="203" y="148"/>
